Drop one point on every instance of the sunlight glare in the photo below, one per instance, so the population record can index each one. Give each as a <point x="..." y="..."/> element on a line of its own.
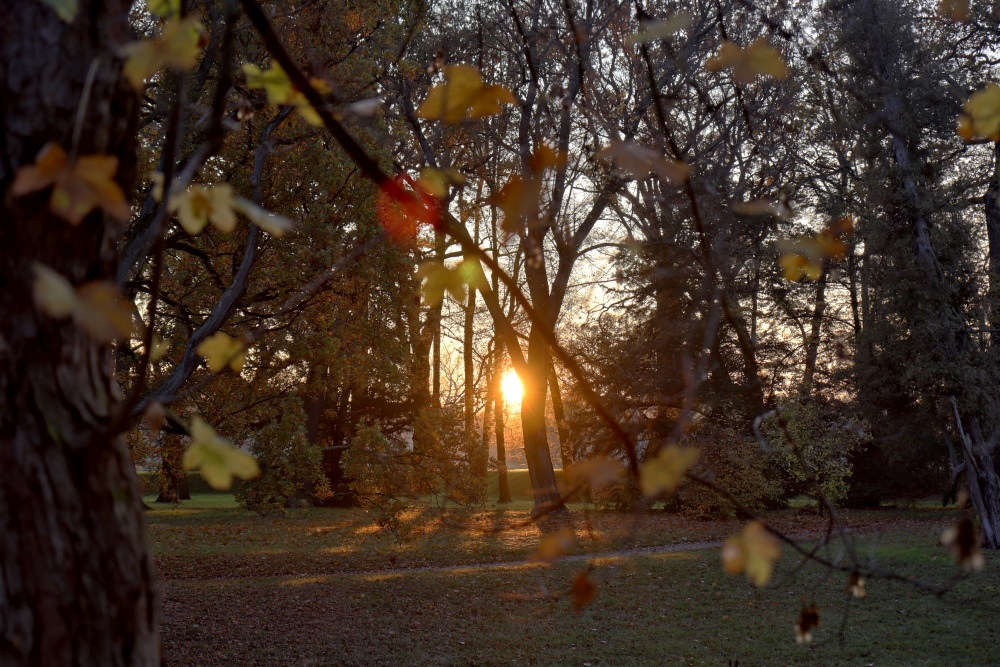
<point x="511" y="387"/>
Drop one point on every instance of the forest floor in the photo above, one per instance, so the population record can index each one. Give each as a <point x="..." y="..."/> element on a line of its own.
<point x="319" y="587"/>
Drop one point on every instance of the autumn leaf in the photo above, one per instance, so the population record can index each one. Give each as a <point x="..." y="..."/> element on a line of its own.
<point x="807" y="620"/>
<point x="805" y="257"/>
<point x="954" y="10"/>
<point x="402" y="210"/>
<point x="437" y="181"/>
<point x="437" y="279"/>
<point x="856" y="586"/>
<point x="53" y="293"/>
<point x="596" y="472"/>
<point x="655" y="30"/>
<point x="221" y="350"/>
<point x="753" y="552"/>
<point x="272" y="223"/>
<point x="102" y="312"/>
<point x="758" y="58"/>
<point x="280" y="90"/>
<point x="96" y="306"/>
<point x="217" y="460"/>
<point x="981" y="114"/>
<point x="779" y="209"/>
<point x="555" y="546"/>
<point x="164" y="8"/>
<point x="77" y="188"/>
<point x="463" y="96"/>
<point x="640" y="162"/>
<point x="518" y="199"/>
<point x="160" y="349"/>
<point x="584" y="590"/>
<point x="664" y="472"/>
<point x="65" y="9"/>
<point x="178" y="47"/>
<point x="963" y="540"/>
<point x="153" y="416"/>
<point x="200" y="204"/>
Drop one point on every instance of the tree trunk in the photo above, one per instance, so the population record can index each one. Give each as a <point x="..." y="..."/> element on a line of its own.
<point x="536" y="441"/>
<point x="992" y="208"/>
<point x="172" y="474"/>
<point x="504" y="488"/>
<point x="557" y="410"/>
<point x="77" y="577"/>
<point x="812" y="344"/>
<point x="984" y="484"/>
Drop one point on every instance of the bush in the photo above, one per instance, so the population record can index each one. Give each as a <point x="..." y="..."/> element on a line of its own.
<point x="289" y="465"/>
<point x="823" y="441"/>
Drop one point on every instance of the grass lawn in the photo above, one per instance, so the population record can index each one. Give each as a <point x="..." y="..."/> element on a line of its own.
<point x="328" y="587"/>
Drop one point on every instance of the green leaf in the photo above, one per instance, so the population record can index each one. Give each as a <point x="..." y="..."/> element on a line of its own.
<point x="65" y="9"/>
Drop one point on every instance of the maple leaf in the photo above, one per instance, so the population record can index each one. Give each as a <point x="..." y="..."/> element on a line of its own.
<point x="555" y="546"/>
<point x="804" y="257"/>
<point x="596" y="472"/>
<point x="178" y="47"/>
<point x="401" y="210"/>
<point x="655" y="30"/>
<point x="758" y="58"/>
<point x="77" y="188"/>
<point x="280" y="90"/>
<point x="436" y="181"/>
<point x="664" y="473"/>
<point x="641" y="162"/>
<point x="463" y="96"/>
<point x="96" y="306"/>
<point x="981" y="114"/>
<point x="217" y="460"/>
<point x="437" y="278"/>
<point x="754" y="552"/>
<point x="584" y="590"/>
<point x="221" y="350"/>
<point x="200" y="204"/>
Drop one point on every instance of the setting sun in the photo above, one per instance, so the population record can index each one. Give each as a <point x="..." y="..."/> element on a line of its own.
<point x="511" y="387"/>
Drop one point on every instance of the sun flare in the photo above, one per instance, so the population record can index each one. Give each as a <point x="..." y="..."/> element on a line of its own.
<point x="511" y="387"/>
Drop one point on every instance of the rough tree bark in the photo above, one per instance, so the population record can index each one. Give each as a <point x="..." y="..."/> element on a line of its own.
<point x="76" y="577"/>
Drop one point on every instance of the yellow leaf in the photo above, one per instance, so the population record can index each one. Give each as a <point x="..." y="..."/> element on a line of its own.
<point x="178" y="48"/>
<point x="641" y="162"/>
<point x="102" y="312"/>
<point x="160" y="349"/>
<point x="53" y="293"/>
<point x="65" y="9"/>
<point x="555" y="546"/>
<point x="220" y="350"/>
<point x="758" y="58"/>
<point x="982" y="112"/>
<point x="664" y="473"/>
<point x="199" y="204"/>
<point x="463" y="96"/>
<point x="272" y="223"/>
<point x="753" y="552"/>
<point x="438" y="278"/>
<point x="217" y="460"/>
<point x="164" y="8"/>
<point x="651" y="31"/>
<point x="79" y="188"/>
<point x="596" y="472"/>
<point x="97" y="307"/>
<point x="279" y="89"/>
